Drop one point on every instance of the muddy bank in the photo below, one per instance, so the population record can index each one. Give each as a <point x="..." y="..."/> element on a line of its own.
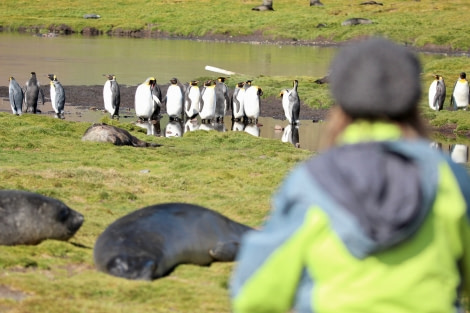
<point x="92" y="96"/>
<point x="256" y="37"/>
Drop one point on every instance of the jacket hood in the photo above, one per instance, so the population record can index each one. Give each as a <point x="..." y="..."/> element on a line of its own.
<point x="382" y="186"/>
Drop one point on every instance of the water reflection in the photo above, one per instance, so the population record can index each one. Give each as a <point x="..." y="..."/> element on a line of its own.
<point x="291" y="135"/>
<point x="457" y="152"/>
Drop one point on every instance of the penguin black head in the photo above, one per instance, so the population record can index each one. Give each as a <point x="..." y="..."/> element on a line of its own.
<point x="194" y="82"/>
<point x="109" y="76"/>
<point x="248" y="82"/>
<point x="221" y="79"/>
<point x="241" y="84"/>
<point x="33" y="73"/>
<point x="463" y="75"/>
<point x="174" y="80"/>
<point x="52" y="77"/>
<point x="208" y="82"/>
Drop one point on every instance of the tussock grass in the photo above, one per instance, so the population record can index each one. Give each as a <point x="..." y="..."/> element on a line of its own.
<point x="233" y="173"/>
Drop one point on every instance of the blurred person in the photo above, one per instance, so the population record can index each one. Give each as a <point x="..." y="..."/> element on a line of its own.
<point x="378" y="221"/>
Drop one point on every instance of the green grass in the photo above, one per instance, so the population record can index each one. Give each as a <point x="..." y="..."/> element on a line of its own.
<point x="233" y="173"/>
<point x="416" y="23"/>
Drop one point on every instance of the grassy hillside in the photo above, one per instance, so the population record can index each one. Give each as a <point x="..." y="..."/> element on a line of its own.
<point x="419" y="23"/>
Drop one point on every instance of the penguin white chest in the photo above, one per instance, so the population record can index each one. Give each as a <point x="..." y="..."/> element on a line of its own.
<point x="174" y="101"/>
<point x="144" y="104"/>
<point x="239" y="103"/>
<point x="432" y="94"/>
<point x="461" y="94"/>
<point x="208" y="102"/>
<point x="53" y="98"/>
<point x="192" y="101"/>
<point x="287" y="105"/>
<point x="252" y="103"/>
<point x="108" y="97"/>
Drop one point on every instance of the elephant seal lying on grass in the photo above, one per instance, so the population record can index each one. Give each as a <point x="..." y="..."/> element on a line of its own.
<point x="149" y="243"/>
<point x="116" y="136"/>
<point x="28" y="218"/>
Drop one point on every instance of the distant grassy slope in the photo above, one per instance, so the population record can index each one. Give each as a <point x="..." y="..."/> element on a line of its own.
<point x="417" y="23"/>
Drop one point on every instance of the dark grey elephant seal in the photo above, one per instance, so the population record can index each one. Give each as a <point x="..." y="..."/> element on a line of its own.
<point x="28" y="218"/>
<point x="149" y="243"/>
<point x="356" y="21"/>
<point x="116" y="136"/>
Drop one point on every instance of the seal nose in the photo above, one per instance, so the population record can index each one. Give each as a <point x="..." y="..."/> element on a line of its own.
<point x="76" y="222"/>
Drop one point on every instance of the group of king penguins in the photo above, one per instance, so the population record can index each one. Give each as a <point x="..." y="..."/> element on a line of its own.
<point x="210" y="102"/>
<point x="32" y="94"/>
<point x="460" y="95"/>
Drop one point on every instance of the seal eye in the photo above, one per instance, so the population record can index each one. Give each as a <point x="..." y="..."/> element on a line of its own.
<point x="63" y="215"/>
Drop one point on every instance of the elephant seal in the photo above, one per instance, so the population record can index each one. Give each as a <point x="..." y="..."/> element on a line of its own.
<point x="27" y="218"/>
<point x="116" y="136"/>
<point x="356" y="21"/>
<point x="149" y="243"/>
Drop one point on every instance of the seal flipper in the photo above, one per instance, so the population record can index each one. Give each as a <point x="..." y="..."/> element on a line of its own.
<point x="225" y="251"/>
<point x="132" y="268"/>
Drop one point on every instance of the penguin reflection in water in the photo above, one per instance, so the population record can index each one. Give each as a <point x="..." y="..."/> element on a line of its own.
<point x="111" y="96"/>
<point x="33" y="93"/>
<point x="57" y="96"/>
<point x="174" y="100"/>
<point x="208" y="102"/>
<point x="291" y="103"/>
<point x="437" y="93"/>
<point x="16" y="96"/>
<point x="146" y="100"/>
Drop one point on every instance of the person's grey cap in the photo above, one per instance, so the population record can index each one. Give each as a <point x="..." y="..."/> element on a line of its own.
<point x="376" y="78"/>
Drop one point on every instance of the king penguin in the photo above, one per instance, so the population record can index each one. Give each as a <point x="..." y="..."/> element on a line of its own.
<point x="437" y="93"/>
<point x="291" y="103"/>
<point x="174" y="100"/>
<point x="33" y="93"/>
<point x="16" y="96"/>
<point x="221" y="99"/>
<point x="252" y="103"/>
<point x="111" y="96"/>
<point x="192" y="97"/>
<point x="145" y="101"/>
<point x="207" y="109"/>
<point x="57" y="96"/>
<point x="460" y="94"/>
<point x="238" y="100"/>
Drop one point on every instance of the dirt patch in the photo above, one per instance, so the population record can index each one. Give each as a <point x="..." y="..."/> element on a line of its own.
<point x="9" y="293"/>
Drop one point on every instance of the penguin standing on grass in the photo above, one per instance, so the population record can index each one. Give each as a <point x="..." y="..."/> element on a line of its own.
<point x="33" y="93"/>
<point x="16" y="96"/>
<point x="111" y="96"/>
<point x="437" y="93"/>
<point x="252" y="103"/>
<point x="291" y="103"/>
<point x="57" y="96"/>
<point x="222" y="99"/>
<point x="145" y="101"/>
<point x="192" y="97"/>
<point x="208" y="101"/>
<point x="460" y="94"/>
<point x="174" y="100"/>
<point x="238" y="101"/>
